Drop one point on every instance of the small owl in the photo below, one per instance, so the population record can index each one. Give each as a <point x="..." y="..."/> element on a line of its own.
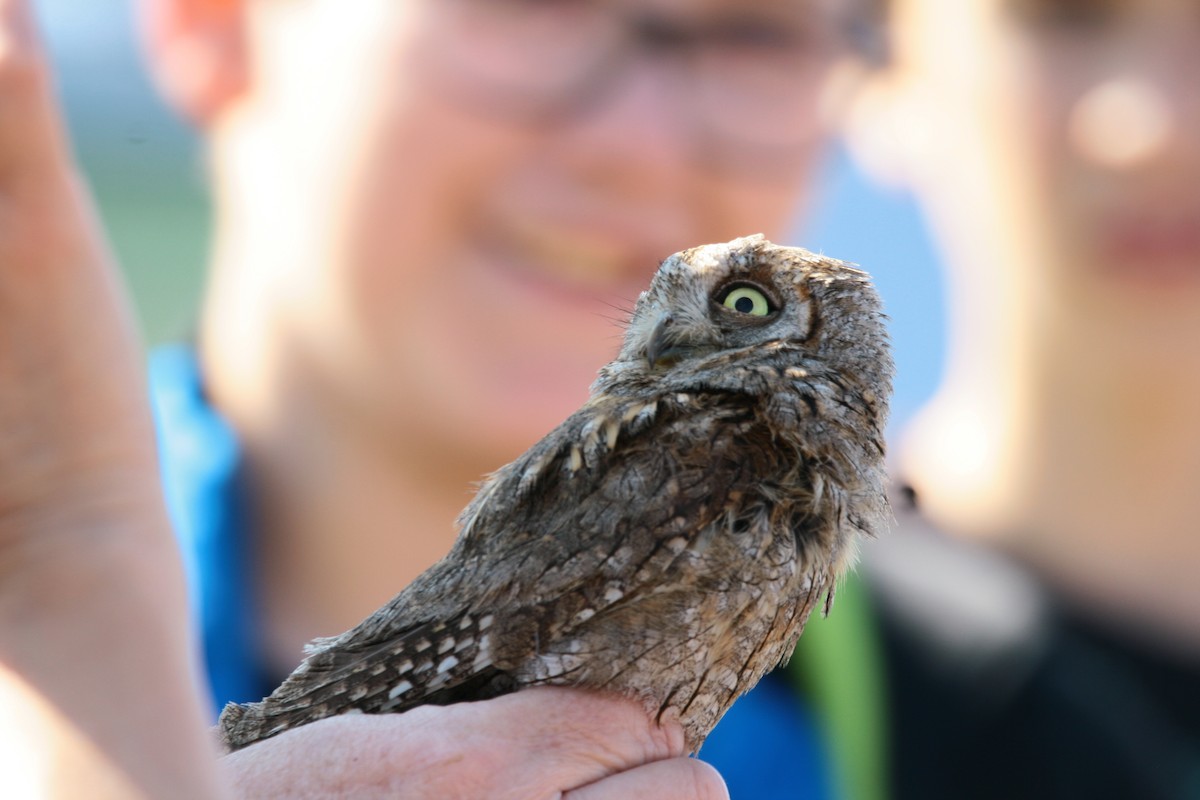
<point x="670" y="538"/>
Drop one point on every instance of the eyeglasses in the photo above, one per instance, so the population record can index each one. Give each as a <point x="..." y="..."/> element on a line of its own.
<point x="747" y="80"/>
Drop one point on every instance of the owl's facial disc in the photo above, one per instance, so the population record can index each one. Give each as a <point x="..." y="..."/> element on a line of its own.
<point x="737" y="304"/>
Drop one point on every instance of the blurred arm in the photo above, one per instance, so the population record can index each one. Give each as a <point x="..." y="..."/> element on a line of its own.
<point x="96" y="698"/>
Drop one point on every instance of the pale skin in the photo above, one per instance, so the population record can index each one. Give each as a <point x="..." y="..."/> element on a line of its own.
<point x="528" y="745"/>
<point x="83" y="533"/>
<point x="1056" y="149"/>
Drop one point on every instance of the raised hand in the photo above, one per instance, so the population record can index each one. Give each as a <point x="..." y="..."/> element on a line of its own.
<point x="95" y="685"/>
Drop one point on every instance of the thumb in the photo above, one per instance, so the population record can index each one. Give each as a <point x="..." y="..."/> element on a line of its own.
<point x="31" y="136"/>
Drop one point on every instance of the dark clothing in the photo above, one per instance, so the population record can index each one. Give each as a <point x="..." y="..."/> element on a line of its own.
<point x="998" y="690"/>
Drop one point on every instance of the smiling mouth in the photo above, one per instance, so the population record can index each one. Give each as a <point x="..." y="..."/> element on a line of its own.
<point x="575" y="261"/>
<point x="1151" y="246"/>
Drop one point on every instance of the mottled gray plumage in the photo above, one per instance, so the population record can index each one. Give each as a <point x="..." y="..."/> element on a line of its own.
<point x="669" y="539"/>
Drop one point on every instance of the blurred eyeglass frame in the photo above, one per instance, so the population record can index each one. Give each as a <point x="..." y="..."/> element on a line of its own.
<point x="747" y="79"/>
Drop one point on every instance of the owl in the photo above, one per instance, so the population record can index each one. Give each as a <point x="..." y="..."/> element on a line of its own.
<point x="669" y="540"/>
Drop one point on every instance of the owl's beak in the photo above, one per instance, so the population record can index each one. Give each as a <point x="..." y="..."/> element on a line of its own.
<point x="664" y="347"/>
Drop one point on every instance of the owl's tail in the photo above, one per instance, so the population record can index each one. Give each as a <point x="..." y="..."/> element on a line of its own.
<point x="239" y="726"/>
<point x="243" y="724"/>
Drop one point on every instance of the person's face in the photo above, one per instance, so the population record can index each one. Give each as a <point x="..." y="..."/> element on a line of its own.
<point x="1066" y="150"/>
<point x="466" y="196"/>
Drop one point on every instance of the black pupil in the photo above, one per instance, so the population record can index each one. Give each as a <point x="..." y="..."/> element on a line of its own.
<point x="744" y="304"/>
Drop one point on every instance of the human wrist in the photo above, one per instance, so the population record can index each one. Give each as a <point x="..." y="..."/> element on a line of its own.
<point x="107" y="593"/>
<point x="78" y="513"/>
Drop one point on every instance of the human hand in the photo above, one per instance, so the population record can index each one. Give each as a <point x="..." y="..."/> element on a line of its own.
<point x="538" y="744"/>
<point x="74" y="421"/>
<point x="96" y="696"/>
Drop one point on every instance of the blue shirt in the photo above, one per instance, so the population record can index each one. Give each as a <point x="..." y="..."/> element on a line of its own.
<point x="766" y="747"/>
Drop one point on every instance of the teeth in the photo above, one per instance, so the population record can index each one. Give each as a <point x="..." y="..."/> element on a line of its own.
<point x="585" y="260"/>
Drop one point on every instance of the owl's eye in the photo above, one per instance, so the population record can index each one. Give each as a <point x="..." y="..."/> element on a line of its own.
<point x="747" y="300"/>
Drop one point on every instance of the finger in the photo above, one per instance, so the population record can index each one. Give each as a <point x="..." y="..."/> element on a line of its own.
<point x="673" y="779"/>
<point x="46" y="219"/>
<point x="583" y="723"/>
<point x="30" y="135"/>
<point x="16" y="22"/>
<point x="536" y="743"/>
<point x="576" y="736"/>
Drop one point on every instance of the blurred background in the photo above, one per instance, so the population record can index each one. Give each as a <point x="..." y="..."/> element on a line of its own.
<point x="147" y="172"/>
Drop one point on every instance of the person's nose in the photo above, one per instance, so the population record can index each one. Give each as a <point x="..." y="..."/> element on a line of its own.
<point x="635" y="129"/>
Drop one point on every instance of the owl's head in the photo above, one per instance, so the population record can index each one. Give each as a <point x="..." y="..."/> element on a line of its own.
<point x="749" y="301"/>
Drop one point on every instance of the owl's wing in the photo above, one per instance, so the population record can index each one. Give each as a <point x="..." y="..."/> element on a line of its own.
<point x="616" y="490"/>
<point x="588" y="517"/>
<point x="621" y="486"/>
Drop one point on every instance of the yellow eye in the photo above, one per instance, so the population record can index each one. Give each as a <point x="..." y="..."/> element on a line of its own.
<point x="747" y="300"/>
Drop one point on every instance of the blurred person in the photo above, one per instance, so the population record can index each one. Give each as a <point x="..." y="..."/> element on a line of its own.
<point x="96" y="686"/>
<point x="428" y="215"/>
<point x="1039" y="605"/>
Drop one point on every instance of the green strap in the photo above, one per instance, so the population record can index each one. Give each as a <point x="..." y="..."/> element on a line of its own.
<point x="838" y="666"/>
